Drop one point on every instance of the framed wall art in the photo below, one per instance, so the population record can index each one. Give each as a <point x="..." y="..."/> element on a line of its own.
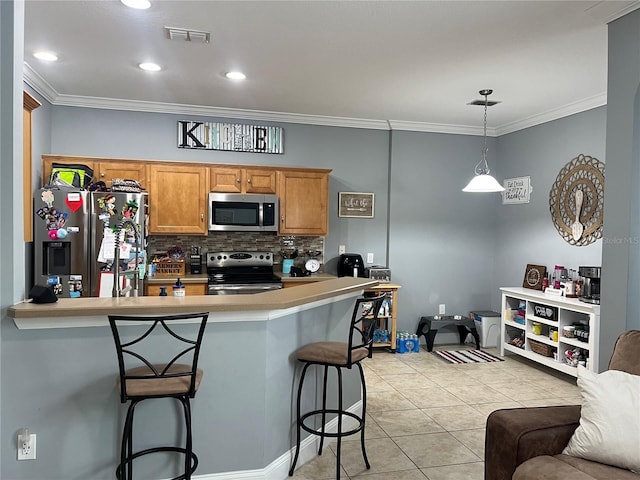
<point x="533" y="276"/>
<point x="355" y="204"/>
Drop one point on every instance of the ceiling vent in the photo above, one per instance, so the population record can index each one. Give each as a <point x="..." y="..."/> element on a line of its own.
<point x="187" y="35"/>
<point x="490" y="103"/>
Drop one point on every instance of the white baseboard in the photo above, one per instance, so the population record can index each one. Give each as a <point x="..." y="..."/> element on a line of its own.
<point x="279" y="468"/>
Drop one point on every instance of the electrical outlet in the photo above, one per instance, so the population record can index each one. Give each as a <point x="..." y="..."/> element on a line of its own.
<point x="27" y="446"/>
<point x="441" y="309"/>
<point x="369" y="257"/>
<point x="342" y="249"/>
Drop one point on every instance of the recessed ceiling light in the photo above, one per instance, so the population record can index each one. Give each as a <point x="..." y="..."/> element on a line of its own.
<point x="235" y="75"/>
<point x="150" y="67"/>
<point x="47" y="56"/>
<point x="138" y="4"/>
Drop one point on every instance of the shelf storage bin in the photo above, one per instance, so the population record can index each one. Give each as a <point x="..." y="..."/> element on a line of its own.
<point x="488" y="326"/>
<point x="541" y="348"/>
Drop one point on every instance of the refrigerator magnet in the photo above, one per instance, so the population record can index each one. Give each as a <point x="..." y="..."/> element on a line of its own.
<point x="74" y="201"/>
<point x="130" y="209"/>
<point x="47" y="197"/>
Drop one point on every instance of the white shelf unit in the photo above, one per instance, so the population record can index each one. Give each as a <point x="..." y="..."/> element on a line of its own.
<point x="568" y="311"/>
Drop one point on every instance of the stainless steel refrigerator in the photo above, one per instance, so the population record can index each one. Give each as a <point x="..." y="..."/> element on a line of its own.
<point x="75" y="236"/>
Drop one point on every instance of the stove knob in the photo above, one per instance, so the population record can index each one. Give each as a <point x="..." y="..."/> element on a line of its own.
<point x="267" y="257"/>
<point x="261" y="257"/>
<point x="219" y="257"/>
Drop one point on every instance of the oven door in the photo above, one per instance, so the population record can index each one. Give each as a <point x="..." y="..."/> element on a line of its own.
<point x="242" y="288"/>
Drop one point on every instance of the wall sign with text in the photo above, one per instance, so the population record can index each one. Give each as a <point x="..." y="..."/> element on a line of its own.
<point x="355" y="204"/>
<point x="516" y="190"/>
<point x="230" y="137"/>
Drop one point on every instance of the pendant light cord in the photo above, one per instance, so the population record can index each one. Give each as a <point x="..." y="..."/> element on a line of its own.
<point x="482" y="168"/>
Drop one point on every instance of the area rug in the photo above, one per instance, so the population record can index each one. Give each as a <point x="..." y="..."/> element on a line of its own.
<point x="465" y="356"/>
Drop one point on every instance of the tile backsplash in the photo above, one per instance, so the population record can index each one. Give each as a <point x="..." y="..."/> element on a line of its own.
<point x="239" y="241"/>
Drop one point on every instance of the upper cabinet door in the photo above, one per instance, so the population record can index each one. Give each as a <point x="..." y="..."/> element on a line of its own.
<point x="241" y="180"/>
<point x="178" y="199"/>
<point x="303" y="202"/>
<point x="227" y="180"/>
<point x="260" y="181"/>
<point x="133" y="170"/>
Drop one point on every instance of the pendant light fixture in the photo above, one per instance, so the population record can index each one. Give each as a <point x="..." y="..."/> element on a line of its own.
<point x="483" y="182"/>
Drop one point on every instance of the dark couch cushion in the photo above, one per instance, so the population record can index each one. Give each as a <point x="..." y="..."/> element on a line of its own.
<point x="626" y="353"/>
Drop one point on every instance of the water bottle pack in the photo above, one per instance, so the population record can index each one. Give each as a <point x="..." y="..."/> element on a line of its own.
<point x="380" y="336"/>
<point x="407" y="343"/>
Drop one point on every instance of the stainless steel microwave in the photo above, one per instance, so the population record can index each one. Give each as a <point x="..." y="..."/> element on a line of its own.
<point x="237" y="212"/>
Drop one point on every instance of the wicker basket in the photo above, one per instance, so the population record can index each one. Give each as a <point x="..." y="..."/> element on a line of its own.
<point x="541" y="348"/>
<point x="170" y="269"/>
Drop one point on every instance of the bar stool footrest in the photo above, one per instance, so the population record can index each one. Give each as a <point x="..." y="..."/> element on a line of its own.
<point x="141" y="453"/>
<point x="332" y="434"/>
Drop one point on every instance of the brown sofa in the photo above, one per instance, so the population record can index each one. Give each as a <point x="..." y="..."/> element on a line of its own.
<point x="527" y="443"/>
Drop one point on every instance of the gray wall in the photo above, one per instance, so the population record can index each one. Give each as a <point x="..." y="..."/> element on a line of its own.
<point x="11" y="239"/>
<point x="620" y="277"/>
<point x="358" y="157"/>
<point x="441" y="240"/>
<point x="443" y="243"/>
<point x="526" y="233"/>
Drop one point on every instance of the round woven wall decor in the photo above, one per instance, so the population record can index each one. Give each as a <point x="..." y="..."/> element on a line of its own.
<point x="587" y="174"/>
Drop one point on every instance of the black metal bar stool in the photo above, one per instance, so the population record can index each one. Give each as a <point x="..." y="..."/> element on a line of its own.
<point x="339" y="355"/>
<point x="143" y="377"/>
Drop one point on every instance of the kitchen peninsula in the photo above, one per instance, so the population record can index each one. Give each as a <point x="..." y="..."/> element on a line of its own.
<point x="243" y="410"/>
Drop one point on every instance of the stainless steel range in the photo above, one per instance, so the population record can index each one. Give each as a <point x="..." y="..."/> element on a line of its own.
<point x="232" y="273"/>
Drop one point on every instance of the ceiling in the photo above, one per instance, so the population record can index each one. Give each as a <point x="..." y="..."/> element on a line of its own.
<point x="412" y="65"/>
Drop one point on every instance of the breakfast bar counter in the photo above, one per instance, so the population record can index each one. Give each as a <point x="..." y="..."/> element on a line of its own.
<point x="64" y="387"/>
<point x="73" y="312"/>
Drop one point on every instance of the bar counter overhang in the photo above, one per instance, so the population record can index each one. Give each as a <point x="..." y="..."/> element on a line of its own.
<point x="242" y="413"/>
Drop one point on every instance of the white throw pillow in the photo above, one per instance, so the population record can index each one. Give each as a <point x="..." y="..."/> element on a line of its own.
<point x="609" y="430"/>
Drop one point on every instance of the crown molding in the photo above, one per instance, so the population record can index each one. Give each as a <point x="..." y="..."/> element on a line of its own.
<point x="178" y="109"/>
<point x="49" y="93"/>
<point x="39" y="84"/>
<point x="554" y="114"/>
<point x="439" y="128"/>
<point x="607" y="11"/>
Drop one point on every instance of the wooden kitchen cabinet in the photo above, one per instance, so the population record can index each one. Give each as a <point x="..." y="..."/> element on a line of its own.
<point x="189" y="289"/>
<point x="107" y="171"/>
<point x="178" y="199"/>
<point x="304" y="198"/>
<point x="178" y="191"/>
<point x="243" y="180"/>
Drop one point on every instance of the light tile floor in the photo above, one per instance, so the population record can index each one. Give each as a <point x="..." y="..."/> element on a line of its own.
<point x="426" y="418"/>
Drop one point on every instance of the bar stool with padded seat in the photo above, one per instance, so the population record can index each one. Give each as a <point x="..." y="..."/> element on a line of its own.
<point x="142" y="377"/>
<point x="339" y="355"/>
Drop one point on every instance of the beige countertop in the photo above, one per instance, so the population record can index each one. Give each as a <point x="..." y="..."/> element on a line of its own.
<point x="272" y="300"/>
<point x="314" y="277"/>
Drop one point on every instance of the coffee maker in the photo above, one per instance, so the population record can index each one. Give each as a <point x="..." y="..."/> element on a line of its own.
<point x="351" y="265"/>
<point x="591" y="286"/>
